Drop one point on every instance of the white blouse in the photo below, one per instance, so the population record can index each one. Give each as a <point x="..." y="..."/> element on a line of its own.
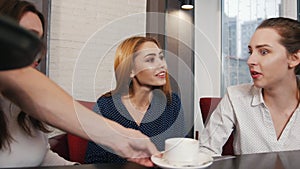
<point x="243" y="111"/>
<point x="25" y="150"/>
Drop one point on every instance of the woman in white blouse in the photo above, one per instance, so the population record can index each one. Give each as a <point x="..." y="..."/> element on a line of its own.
<point x="264" y="116"/>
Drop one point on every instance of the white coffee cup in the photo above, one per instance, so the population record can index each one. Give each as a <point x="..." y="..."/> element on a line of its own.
<point x="181" y="151"/>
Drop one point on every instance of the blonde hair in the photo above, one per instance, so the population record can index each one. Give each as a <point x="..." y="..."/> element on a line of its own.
<point x="125" y="55"/>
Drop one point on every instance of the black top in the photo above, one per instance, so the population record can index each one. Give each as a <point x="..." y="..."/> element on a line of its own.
<point x="162" y="120"/>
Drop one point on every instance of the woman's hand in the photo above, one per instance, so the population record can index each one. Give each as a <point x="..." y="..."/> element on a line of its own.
<point x="133" y="145"/>
<point x="58" y="108"/>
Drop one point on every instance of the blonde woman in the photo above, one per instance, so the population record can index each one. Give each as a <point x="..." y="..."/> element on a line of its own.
<point x="142" y="99"/>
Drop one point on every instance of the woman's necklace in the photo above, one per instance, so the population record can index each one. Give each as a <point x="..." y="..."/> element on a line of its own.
<point x="140" y="109"/>
<point x="138" y="112"/>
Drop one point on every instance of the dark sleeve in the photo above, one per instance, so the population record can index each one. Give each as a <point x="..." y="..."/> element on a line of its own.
<point x="97" y="154"/>
<point x="179" y="124"/>
<point x="98" y="107"/>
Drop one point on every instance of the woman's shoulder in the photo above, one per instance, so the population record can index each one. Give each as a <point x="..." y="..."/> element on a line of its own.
<point x="175" y="96"/>
<point x="109" y="100"/>
<point x="240" y="87"/>
<point x="106" y="105"/>
<point x="105" y="97"/>
<point x="8" y="107"/>
<point x="175" y="100"/>
<point x="242" y="90"/>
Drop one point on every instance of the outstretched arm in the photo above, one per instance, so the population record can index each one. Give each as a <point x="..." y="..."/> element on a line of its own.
<point x="46" y="101"/>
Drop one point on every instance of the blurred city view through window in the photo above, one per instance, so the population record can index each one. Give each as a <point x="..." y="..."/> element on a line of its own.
<point x="239" y="21"/>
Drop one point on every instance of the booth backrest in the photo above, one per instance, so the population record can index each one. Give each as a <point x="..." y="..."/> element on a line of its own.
<point x="77" y="146"/>
<point x="59" y="145"/>
<point x="207" y="106"/>
<point x="69" y="146"/>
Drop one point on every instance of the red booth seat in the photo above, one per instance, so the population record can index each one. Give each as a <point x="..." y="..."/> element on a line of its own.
<point x="69" y="146"/>
<point x="207" y="106"/>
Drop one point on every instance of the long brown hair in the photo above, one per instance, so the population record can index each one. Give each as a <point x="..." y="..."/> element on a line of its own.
<point x="123" y="64"/>
<point x="15" y="9"/>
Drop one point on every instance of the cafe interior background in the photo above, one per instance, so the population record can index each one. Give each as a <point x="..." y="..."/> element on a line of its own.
<point x="204" y="46"/>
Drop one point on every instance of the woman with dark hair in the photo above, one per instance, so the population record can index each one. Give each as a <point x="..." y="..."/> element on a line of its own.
<point x="22" y="139"/>
<point x="142" y="99"/>
<point x="264" y="116"/>
<point x="26" y="14"/>
<point x="21" y="133"/>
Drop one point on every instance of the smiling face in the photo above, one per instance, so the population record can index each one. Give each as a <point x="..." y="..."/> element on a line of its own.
<point x="269" y="60"/>
<point x="150" y="68"/>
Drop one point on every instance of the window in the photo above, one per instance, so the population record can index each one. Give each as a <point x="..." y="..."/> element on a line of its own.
<point x="239" y="20"/>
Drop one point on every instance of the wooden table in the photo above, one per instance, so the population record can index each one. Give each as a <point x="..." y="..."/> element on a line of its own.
<point x="280" y="160"/>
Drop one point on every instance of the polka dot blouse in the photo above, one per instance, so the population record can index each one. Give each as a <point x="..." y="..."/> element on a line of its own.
<point x="161" y="121"/>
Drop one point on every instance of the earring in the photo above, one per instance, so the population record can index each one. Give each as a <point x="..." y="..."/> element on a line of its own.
<point x="131" y="75"/>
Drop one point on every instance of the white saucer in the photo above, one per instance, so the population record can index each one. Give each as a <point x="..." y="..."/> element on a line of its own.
<point x="204" y="161"/>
